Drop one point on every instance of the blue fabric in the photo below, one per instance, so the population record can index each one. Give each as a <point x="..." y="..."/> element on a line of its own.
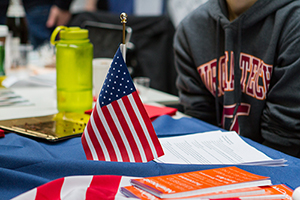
<point x="167" y="126"/>
<point x="26" y="163"/>
<point x="117" y="6"/>
<point x="127" y="6"/>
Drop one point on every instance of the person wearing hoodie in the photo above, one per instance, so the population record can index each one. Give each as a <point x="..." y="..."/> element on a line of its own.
<point x="238" y="64"/>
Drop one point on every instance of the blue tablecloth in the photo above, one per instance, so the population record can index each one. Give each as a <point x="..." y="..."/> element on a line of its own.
<point x="26" y="163"/>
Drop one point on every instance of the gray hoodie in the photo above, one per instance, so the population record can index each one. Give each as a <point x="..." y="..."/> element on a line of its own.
<point x="256" y="58"/>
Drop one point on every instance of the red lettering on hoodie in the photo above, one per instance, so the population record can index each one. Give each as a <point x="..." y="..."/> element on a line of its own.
<point x="255" y="75"/>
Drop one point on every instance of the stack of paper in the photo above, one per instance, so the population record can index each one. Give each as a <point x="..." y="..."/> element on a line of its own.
<point x="220" y="183"/>
<point x="214" y="147"/>
<point x="9" y="98"/>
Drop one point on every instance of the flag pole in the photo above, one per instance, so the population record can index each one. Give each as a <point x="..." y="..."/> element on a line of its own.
<point x="123" y="18"/>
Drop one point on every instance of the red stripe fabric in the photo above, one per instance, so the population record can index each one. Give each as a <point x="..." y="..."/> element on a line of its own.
<point x="127" y="132"/>
<point x="50" y="190"/>
<point x="103" y="187"/>
<point x="86" y="148"/>
<point x="78" y="187"/>
<point x="129" y="117"/>
<point x="104" y="133"/>
<point x="138" y="129"/>
<point x="154" y="139"/>
<point x="93" y="137"/>
<point x="117" y="135"/>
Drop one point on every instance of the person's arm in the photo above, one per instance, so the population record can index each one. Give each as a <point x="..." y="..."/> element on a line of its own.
<point x="59" y="13"/>
<point x="196" y="99"/>
<point x="280" y="121"/>
<point x="91" y="5"/>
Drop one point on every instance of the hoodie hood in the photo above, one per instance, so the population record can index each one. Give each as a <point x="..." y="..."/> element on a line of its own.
<point x="219" y="12"/>
<point x="257" y="12"/>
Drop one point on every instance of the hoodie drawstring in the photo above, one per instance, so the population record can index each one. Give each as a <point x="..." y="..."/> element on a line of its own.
<point x="237" y="70"/>
<point x="217" y="105"/>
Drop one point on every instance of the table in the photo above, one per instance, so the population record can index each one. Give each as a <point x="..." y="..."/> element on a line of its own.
<point x="44" y="102"/>
<point x="27" y="163"/>
<point x="42" y="99"/>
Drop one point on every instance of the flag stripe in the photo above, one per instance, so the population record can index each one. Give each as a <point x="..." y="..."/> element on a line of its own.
<point x="136" y="104"/>
<point x="107" y="185"/>
<point x="101" y="132"/>
<point x="129" y="120"/>
<point x="109" y="138"/>
<point x="79" y="187"/>
<point x="43" y="190"/>
<point x="88" y="146"/>
<point x="119" y="135"/>
<point x="95" y="141"/>
<point x="75" y="183"/>
<point x="127" y="132"/>
<point x="29" y="195"/>
<point x="149" y="127"/>
<point x="138" y="128"/>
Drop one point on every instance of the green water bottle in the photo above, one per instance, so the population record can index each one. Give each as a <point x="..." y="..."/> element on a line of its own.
<point x="74" y="78"/>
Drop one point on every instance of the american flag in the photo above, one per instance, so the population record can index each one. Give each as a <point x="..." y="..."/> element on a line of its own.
<point x="119" y="128"/>
<point x="79" y="188"/>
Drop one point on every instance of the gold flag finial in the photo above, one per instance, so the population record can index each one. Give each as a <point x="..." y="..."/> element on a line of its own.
<point x="123" y="18"/>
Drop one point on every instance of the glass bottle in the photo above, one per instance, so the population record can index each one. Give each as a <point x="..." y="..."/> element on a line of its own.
<point x="17" y="25"/>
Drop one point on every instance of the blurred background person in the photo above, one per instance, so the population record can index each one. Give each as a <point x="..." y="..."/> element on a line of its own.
<point x="175" y="9"/>
<point x="42" y="17"/>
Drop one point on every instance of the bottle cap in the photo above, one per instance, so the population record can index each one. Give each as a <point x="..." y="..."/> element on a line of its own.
<point x="3" y="30"/>
<point x="74" y="33"/>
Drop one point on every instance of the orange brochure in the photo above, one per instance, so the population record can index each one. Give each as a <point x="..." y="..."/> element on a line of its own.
<point x="273" y="190"/>
<point x="200" y="182"/>
<point x="253" y="193"/>
<point x="132" y="191"/>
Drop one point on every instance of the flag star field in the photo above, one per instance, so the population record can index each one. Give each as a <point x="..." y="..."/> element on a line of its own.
<point x="117" y="83"/>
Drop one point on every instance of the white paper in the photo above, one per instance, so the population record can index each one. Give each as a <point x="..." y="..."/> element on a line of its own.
<point x="9" y="98"/>
<point x="214" y="147"/>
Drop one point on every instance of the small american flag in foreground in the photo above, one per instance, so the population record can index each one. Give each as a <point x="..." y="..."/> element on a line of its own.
<point x="119" y="128"/>
<point x="79" y="188"/>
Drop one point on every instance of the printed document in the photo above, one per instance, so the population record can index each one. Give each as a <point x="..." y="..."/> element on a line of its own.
<point x="214" y="147"/>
